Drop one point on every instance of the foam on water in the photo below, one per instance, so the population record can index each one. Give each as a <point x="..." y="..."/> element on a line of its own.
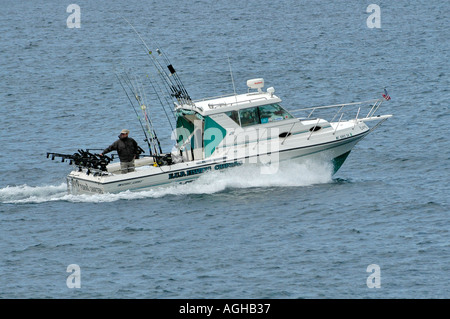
<point x="290" y="174"/>
<point x="34" y="194"/>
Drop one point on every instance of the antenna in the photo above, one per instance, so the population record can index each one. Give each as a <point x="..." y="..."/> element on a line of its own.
<point x="232" y="79"/>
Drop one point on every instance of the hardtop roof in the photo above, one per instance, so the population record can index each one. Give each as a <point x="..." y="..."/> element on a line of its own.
<point x="222" y="104"/>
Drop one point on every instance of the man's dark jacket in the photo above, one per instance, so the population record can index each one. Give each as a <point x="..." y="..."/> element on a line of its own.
<point x="127" y="149"/>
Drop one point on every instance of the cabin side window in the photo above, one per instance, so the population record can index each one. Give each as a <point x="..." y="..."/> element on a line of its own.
<point x="249" y="116"/>
<point x="234" y="115"/>
<point x="273" y="112"/>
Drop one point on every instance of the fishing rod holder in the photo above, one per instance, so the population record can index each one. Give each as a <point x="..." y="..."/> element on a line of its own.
<point x="84" y="159"/>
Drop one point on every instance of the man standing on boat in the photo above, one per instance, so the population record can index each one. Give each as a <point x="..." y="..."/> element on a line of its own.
<point x="128" y="150"/>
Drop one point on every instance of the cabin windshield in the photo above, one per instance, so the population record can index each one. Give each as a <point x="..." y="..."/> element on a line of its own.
<point x="262" y="114"/>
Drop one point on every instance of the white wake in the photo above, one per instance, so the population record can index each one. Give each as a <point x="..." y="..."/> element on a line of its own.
<point x="290" y="174"/>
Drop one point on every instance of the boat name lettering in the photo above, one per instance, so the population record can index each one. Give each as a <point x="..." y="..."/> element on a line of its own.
<point x="189" y="172"/>
<point x="201" y="170"/>
<point x="222" y="166"/>
<point x="85" y="187"/>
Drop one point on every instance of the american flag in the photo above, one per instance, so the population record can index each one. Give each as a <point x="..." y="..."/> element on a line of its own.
<point x="386" y="95"/>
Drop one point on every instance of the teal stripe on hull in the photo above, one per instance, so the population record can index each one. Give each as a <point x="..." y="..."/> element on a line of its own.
<point x="338" y="161"/>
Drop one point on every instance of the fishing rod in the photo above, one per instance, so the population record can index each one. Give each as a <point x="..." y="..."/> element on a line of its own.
<point x="167" y="83"/>
<point x="169" y="92"/>
<point x="161" y="103"/>
<point x="170" y="87"/>
<point x="140" y="122"/>
<point x="157" y="140"/>
<point x="138" y="96"/>
<point x="164" y="109"/>
<point x="181" y="92"/>
<point x="156" y="63"/>
<point x="148" y="120"/>
<point x="173" y="73"/>
<point x="177" y="88"/>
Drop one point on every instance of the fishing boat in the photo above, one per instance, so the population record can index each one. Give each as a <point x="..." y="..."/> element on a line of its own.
<point x="224" y="132"/>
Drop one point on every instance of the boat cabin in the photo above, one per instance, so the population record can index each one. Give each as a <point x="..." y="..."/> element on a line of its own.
<point x="204" y="124"/>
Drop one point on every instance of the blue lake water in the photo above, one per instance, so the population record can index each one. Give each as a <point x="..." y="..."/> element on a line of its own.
<point x="230" y="235"/>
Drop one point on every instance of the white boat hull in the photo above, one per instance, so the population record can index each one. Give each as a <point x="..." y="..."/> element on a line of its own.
<point x="328" y="147"/>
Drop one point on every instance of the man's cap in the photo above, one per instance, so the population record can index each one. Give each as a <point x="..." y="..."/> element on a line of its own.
<point x="125" y="131"/>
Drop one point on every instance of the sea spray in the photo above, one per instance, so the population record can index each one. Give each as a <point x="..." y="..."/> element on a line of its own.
<point x="26" y="193"/>
<point x="290" y="174"/>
